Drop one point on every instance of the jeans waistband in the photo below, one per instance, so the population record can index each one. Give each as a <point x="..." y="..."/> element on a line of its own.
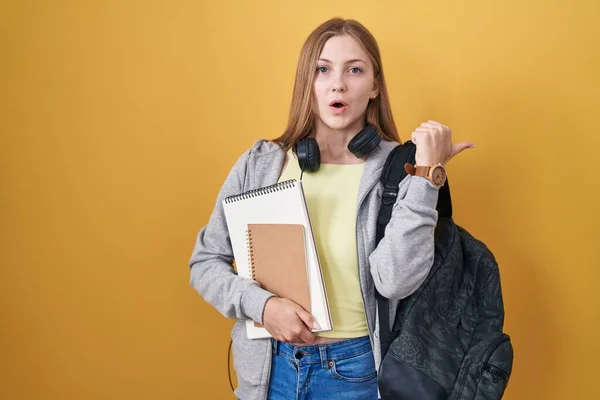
<point x="323" y="353"/>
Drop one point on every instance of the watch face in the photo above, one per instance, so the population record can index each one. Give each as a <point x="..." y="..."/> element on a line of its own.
<point x="438" y="176"/>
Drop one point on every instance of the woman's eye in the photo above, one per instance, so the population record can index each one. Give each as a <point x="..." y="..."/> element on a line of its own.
<point x="322" y="69"/>
<point x="355" y="70"/>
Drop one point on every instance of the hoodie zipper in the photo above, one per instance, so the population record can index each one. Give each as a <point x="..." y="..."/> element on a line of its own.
<point x="359" y="229"/>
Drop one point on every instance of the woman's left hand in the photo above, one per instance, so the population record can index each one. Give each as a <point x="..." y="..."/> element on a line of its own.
<point x="434" y="144"/>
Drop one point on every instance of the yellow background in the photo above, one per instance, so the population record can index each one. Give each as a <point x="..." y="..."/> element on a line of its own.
<point x="120" y="119"/>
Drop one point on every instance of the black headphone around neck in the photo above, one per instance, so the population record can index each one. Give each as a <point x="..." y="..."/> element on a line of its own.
<point x="309" y="156"/>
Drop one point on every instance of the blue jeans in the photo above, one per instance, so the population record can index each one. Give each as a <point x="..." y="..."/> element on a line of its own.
<point x="342" y="370"/>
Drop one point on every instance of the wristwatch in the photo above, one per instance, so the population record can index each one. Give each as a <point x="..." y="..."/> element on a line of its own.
<point x="435" y="173"/>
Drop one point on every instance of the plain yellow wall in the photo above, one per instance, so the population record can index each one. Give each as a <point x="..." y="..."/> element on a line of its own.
<point x="120" y="119"/>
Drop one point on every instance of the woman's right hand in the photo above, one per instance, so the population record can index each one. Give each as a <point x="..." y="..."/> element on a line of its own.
<point x="286" y="321"/>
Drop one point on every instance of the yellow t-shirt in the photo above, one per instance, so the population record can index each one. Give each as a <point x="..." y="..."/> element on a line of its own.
<point x="331" y="197"/>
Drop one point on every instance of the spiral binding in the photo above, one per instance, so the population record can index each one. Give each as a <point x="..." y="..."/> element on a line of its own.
<point x="262" y="191"/>
<point x="250" y="253"/>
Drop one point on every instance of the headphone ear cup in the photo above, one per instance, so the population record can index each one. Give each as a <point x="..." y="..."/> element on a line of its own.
<point x="309" y="156"/>
<point x="364" y="142"/>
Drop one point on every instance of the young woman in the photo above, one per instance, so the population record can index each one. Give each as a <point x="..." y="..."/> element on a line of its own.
<point x="339" y="94"/>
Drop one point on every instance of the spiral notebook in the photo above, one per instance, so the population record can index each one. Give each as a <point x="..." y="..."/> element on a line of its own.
<point x="281" y="203"/>
<point x="277" y="255"/>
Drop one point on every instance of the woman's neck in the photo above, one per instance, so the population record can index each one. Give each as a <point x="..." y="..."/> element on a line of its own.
<point x="333" y="144"/>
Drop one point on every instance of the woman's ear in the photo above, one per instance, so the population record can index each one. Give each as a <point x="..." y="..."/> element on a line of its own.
<point x="375" y="90"/>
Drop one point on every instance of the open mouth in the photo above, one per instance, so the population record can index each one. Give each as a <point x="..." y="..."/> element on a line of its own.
<point x="338" y="104"/>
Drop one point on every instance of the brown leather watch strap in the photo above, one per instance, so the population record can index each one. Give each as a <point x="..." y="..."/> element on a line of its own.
<point x="417" y="171"/>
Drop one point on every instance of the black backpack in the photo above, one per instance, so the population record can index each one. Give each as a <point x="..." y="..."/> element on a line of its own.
<point x="446" y="341"/>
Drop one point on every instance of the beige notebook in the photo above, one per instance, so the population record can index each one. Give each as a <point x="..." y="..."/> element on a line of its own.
<point x="277" y="261"/>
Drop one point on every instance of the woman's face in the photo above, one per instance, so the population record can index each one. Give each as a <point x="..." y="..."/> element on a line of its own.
<point x="344" y="84"/>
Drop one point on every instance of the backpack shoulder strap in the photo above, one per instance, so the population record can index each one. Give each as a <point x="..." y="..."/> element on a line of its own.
<point x="391" y="176"/>
<point x="393" y="173"/>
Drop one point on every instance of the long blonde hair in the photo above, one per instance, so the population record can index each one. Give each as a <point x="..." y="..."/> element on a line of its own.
<point x="301" y="121"/>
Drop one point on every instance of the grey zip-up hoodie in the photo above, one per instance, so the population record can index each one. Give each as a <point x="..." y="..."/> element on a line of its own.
<point x="396" y="267"/>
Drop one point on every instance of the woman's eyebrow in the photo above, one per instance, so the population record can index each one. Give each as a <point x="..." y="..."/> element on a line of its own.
<point x="347" y="62"/>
